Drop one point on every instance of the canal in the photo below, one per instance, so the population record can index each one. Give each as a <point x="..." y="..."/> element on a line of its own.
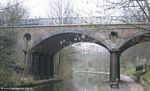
<point x="83" y="67"/>
<point x="77" y="82"/>
<point x="80" y="65"/>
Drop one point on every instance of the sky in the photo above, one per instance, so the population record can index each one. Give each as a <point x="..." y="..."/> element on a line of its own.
<point x="40" y="8"/>
<point x="36" y="8"/>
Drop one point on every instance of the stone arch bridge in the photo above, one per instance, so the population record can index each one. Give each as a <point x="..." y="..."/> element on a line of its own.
<point x="46" y="41"/>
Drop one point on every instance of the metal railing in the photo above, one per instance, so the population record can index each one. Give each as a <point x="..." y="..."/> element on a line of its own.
<point x="74" y="20"/>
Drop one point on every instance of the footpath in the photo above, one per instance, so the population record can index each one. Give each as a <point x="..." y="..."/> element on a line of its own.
<point x="126" y="84"/>
<point x="134" y="86"/>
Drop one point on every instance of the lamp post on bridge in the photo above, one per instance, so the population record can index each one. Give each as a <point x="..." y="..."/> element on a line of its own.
<point x="27" y="38"/>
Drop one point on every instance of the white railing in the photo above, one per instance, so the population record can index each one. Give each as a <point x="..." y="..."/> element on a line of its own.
<point x="74" y="20"/>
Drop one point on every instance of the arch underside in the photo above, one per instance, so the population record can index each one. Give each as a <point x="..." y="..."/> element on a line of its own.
<point x="44" y="51"/>
<point x="143" y="37"/>
<point x="55" y="43"/>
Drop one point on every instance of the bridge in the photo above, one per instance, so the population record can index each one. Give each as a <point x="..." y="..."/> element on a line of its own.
<point x="46" y="41"/>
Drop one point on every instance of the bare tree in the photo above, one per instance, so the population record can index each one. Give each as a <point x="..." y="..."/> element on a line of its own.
<point x="9" y="13"/>
<point x="126" y="11"/>
<point x="12" y="12"/>
<point x="139" y="9"/>
<point x="134" y="10"/>
<point x="60" y="11"/>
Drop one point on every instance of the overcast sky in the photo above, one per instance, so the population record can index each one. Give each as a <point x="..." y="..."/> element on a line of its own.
<point x="36" y="8"/>
<point x="39" y="8"/>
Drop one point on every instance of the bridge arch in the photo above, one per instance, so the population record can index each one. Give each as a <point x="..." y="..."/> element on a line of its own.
<point x="57" y="40"/>
<point x="135" y="39"/>
<point x="45" y="49"/>
<point x="115" y="53"/>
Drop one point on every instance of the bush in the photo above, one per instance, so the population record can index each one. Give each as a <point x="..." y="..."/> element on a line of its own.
<point x="6" y="59"/>
<point x="130" y="70"/>
<point x="146" y="77"/>
<point x="5" y="77"/>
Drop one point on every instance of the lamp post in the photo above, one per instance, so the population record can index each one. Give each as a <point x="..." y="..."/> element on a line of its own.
<point x="27" y="38"/>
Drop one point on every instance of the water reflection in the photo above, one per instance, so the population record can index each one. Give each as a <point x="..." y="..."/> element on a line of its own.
<point x="78" y="82"/>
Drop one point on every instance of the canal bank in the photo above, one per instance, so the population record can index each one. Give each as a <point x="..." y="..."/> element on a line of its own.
<point x="81" y="82"/>
<point x="33" y="83"/>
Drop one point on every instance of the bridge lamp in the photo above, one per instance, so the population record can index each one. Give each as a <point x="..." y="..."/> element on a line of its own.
<point x="27" y="37"/>
<point x="113" y="34"/>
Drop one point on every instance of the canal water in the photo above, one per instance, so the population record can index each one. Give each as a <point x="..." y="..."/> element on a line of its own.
<point x="83" y="68"/>
<point x="78" y="82"/>
<point x="79" y="66"/>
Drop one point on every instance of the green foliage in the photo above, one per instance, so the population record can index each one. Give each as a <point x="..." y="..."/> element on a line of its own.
<point x="5" y="77"/>
<point x="6" y="60"/>
<point x="146" y="77"/>
<point x="130" y="70"/>
<point x="148" y="67"/>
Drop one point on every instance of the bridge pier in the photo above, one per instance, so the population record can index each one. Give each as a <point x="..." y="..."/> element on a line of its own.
<point x="35" y="65"/>
<point x="42" y="66"/>
<point x="46" y="66"/>
<point x="40" y="69"/>
<point x="51" y="65"/>
<point x="114" y="65"/>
